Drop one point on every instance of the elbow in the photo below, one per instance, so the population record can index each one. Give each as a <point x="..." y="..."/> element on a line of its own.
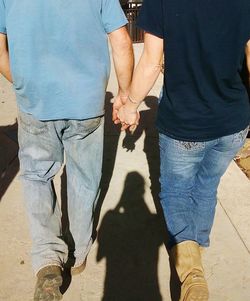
<point x="152" y="70"/>
<point x="121" y="42"/>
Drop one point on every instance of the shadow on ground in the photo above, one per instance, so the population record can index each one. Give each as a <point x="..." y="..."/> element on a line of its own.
<point x="112" y="135"/>
<point x="130" y="235"/>
<point x="129" y="238"/>
<point x="9" y="165"/>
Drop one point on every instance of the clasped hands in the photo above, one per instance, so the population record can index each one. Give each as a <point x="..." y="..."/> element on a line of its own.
<point x="125" y="113"/>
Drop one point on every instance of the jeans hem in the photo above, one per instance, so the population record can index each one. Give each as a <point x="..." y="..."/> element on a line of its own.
<point x="80" y="259"/>
<point x="176" y="242"/>
<point x="46" y="265"/>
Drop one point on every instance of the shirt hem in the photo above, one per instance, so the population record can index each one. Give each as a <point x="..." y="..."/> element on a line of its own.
<point x="69" y="117"/>
<point x="201" y="139"/>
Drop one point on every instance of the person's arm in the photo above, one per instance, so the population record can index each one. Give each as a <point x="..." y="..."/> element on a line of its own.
<point x="145" y="75"/>
<point x="4" y="58"/>
<point x="123" y="57"/>
<point x="248" y="60"/>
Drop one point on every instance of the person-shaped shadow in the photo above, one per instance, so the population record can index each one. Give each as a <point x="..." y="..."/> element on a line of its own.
<point x="129" y="239"/>
<point x="151" y="150"/>
<point x="151" y="145"/>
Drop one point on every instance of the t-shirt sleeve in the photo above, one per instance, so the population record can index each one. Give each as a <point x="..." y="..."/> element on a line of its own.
<point x="113" y="16"/>
<point x="151" y="17"/>
<point x="2" y="17"/>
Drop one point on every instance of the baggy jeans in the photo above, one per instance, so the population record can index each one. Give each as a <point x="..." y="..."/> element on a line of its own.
<point x="42" y="148"/>
<point x="190" y="175"/>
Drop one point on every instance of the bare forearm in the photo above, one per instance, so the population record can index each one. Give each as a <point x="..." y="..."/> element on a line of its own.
<point x="124" y="66"/>
<point x="147" y="71"/>
<point x="123" y="57"/>
<point x="4" y="58"/>
<point x="5" y="66"/>
<point x="144" y="78"/>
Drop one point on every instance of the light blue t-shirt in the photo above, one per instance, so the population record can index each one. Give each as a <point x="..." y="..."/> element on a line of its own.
<point x="59" y="54"/>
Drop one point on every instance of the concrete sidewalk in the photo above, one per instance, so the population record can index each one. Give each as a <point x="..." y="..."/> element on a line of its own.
<point x="128" y="261"/>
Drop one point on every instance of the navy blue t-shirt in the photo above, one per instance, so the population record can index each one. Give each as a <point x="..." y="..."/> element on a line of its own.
<point x="204" y="45"/>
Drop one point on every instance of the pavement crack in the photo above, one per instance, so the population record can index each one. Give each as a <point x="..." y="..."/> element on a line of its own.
<point x="235" y="228"/>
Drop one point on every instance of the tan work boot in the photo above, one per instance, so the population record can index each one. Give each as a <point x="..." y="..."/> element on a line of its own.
<point x="49" y="280"/>
<point x="73" y="268"/>
<point x="187" y="260"/>
<point x="76" y="270"/>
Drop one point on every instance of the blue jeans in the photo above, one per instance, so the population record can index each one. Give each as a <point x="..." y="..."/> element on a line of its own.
<point x="42" y="148"/>
<point x="190" y="175"/>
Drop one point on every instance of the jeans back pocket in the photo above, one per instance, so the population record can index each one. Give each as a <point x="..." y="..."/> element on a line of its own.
<point x="31" y="125"/>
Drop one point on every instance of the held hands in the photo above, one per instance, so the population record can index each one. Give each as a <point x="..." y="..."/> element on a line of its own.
<point x="125" y="114"/>
<point x="128" y="118"/>
<point x="118" y="103"/>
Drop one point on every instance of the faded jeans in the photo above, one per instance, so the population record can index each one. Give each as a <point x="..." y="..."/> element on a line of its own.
<point x="190" y="175"/>
<point x="42" y="148"/>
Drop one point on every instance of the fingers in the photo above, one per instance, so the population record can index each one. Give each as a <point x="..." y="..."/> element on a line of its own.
<point x="115" y="118"/>
<point x="128" y="119"/>
<point x="114" y="115"/>
<point x="124" y="126"/>
<point x="118" y="103"/>
<point x="132" y="128"/>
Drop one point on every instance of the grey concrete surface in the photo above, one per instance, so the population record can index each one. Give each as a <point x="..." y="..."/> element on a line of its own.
<point x="128" y="261"/>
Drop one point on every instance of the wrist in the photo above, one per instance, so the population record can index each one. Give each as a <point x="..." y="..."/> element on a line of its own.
<point x="131" y="108"/>
<point x="133" y="101"/>
<point x="132" y="105"/>
<point x="123" y="93"/>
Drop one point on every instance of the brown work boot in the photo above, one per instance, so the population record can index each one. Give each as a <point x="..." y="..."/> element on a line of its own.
<point x="49" y="280"/>
<point x="187" y="260"/>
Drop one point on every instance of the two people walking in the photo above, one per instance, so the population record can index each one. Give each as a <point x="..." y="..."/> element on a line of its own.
<point x="58" y="61"/>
